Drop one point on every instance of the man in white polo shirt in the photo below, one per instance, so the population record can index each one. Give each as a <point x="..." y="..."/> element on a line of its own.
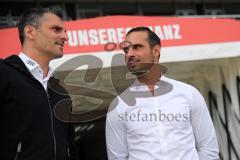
<point x="157" y="118"/>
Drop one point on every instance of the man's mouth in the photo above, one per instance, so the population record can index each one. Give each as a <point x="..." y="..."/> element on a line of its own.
<point x="132" y="63"/>
<point x="61" y="44"/>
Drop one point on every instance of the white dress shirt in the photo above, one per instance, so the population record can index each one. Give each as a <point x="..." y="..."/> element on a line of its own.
<point x="36" y="70"/>
<point x="174" y="124"/>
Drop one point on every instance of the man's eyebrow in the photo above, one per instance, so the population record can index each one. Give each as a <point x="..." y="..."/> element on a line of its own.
<point x="57" y="26"/>
<point x="125" y="44"/>
<point x="133" y="45"/>
<point x="137" y="45"/>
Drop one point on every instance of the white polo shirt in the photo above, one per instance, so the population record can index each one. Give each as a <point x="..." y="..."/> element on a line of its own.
<point x="36" y="70"/>
<point x="174" y="124"/>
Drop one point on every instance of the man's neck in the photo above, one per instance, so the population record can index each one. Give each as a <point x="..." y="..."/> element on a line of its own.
<point x="151" y="78"/>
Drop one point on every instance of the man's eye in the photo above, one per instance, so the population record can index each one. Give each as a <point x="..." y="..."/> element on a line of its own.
<point x="56" y="29"/>
<point x="126" y="49"/>
<point x="136" y="46"/>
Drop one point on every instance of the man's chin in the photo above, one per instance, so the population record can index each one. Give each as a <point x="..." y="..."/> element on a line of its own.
<point x="59" y="55"/>
<point x="138" y="73"/>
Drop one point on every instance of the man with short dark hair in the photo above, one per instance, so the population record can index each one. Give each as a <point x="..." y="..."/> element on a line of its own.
<point x="30" y="129"/>
<point x="157" y="118"/>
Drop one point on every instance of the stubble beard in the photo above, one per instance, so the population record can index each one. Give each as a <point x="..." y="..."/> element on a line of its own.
<point x="144" y="68"/>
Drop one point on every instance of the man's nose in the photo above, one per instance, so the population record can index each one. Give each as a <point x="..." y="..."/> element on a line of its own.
<point x="65" y="36"/>
<point x="131" y="52"/>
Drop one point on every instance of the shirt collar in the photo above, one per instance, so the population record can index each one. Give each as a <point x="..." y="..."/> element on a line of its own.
<point x="33" y="65"/>
<point x="137" y="85"/>
<point x="30" y="63"/>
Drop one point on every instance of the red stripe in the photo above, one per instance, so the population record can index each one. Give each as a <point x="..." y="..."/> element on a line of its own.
<point x="191" y="31"/>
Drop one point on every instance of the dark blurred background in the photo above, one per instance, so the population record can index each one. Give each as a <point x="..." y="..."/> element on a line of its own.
<point x="80" y="9"/>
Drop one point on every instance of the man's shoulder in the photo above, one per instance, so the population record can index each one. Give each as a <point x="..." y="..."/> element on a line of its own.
<point x="177" y="83"/>
<point x="3" y="65"/>
<point x="117" y="103"/>
<point x="180" y="87"/>
<point x="1" y="61"/>
<point x="11" y="60"/>
<point x="185" y="88"/>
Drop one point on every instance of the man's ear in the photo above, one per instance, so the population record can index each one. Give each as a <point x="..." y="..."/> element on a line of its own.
<point x="29" y="32"/>
<point x="156" y="52"/>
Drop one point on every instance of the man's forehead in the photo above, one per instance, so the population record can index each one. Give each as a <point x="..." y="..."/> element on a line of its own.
<point x="51" y="18"/>
<point x="138" y="36"/>
<point x="138" y="33"/>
